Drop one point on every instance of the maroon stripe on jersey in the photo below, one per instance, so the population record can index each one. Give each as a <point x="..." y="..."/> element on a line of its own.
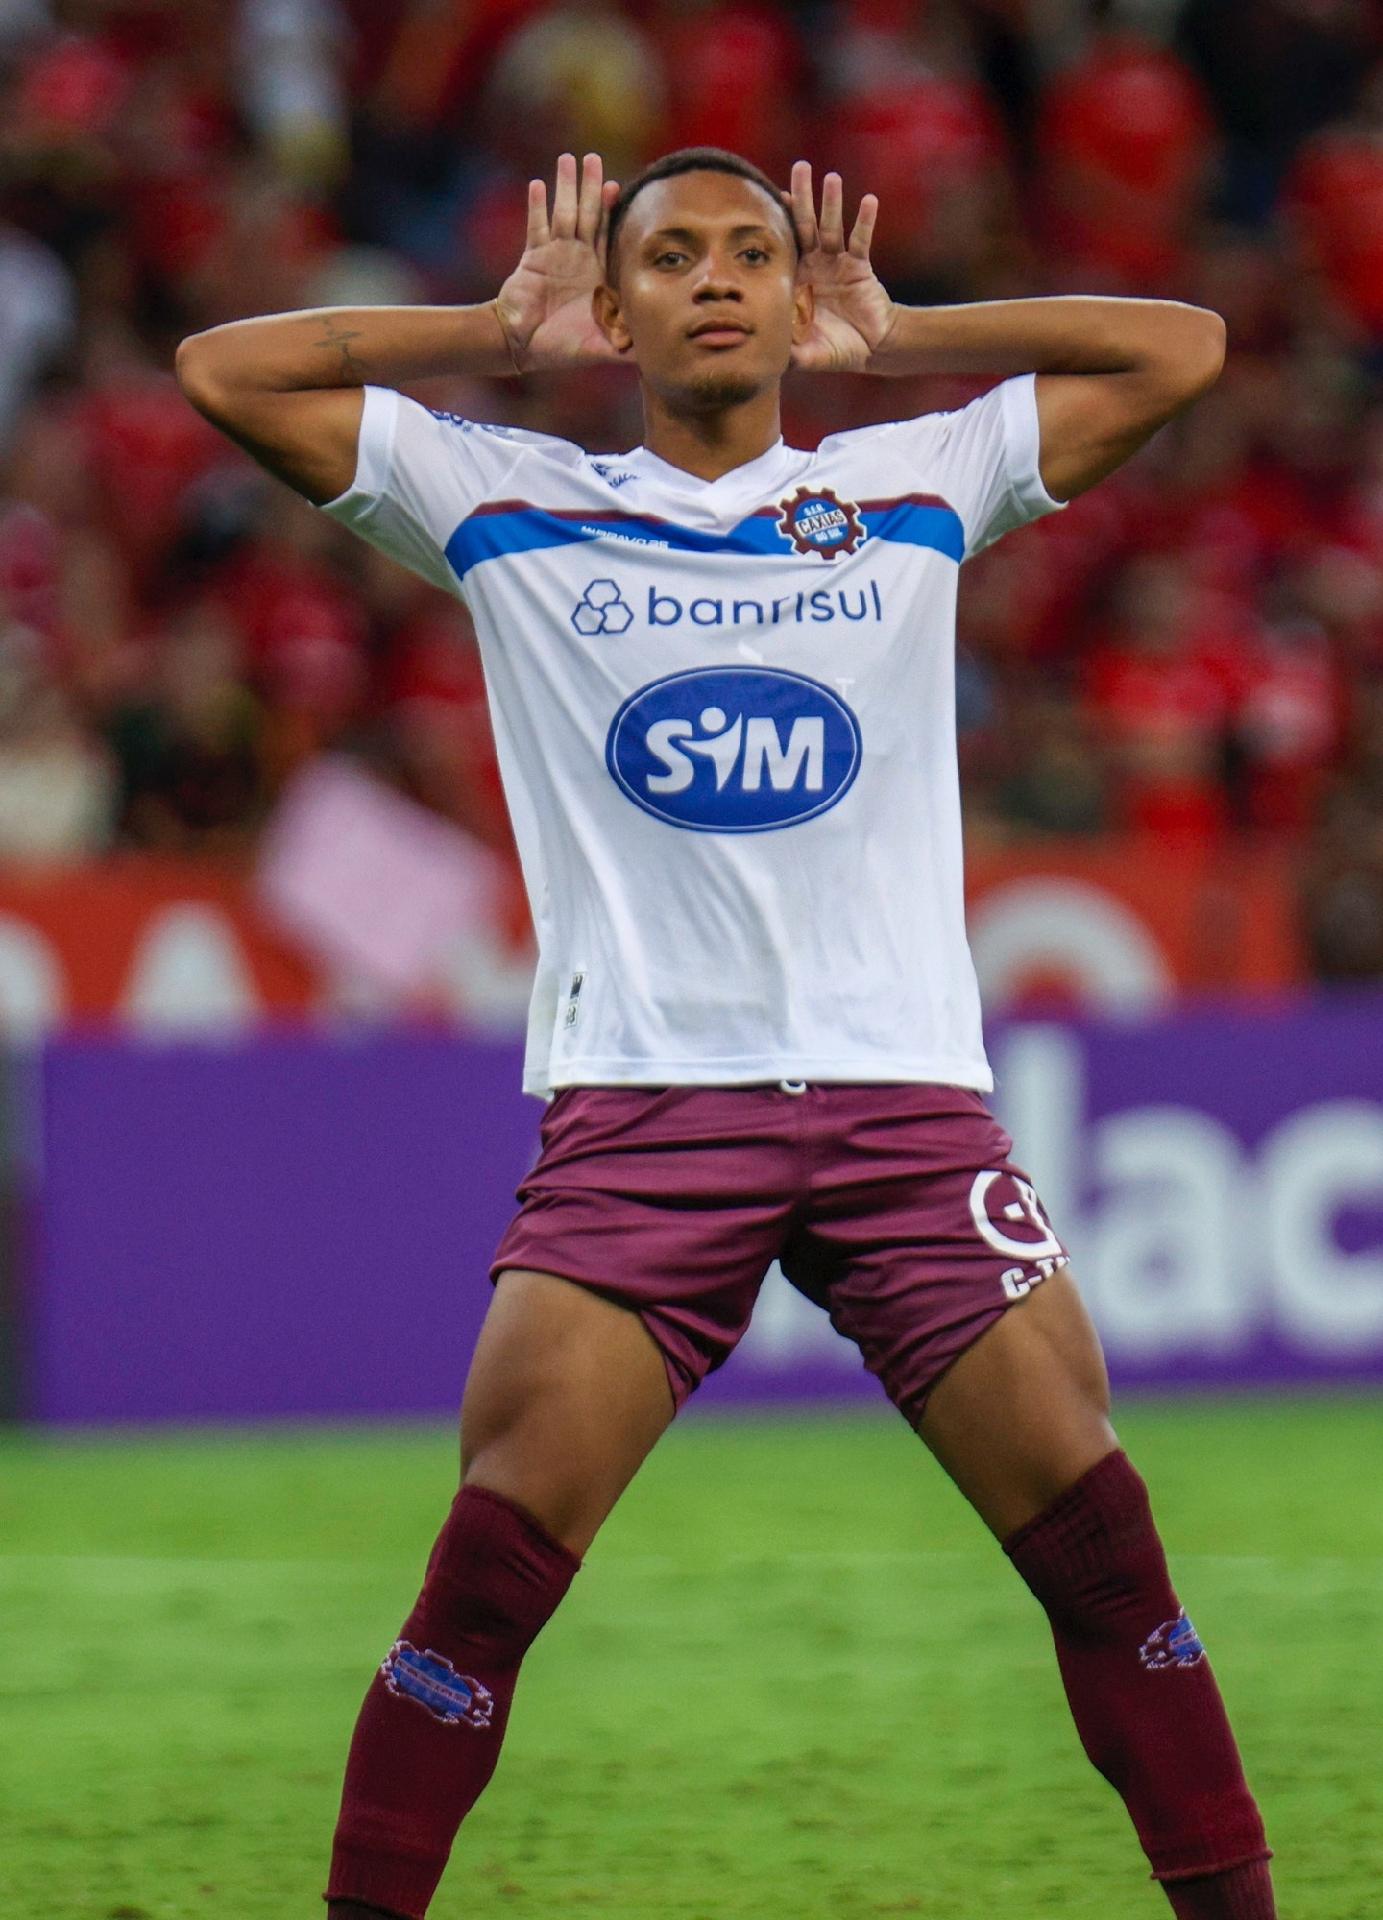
<point x="906" y="500"/>
<point x="661" y="519"/>
<point x="528" y="506"/>
<point x="601" y="513"/>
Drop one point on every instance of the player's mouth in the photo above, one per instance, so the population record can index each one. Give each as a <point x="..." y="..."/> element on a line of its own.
<point x="719" y="333"/>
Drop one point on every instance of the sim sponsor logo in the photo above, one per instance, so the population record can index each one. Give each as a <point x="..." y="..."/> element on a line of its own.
<point x="734" y="749"/>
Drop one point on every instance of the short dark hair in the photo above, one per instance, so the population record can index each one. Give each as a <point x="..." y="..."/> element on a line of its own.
<point x="691" y="160"/>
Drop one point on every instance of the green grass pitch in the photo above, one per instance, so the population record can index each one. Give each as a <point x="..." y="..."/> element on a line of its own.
<point x="795" y="1680"/>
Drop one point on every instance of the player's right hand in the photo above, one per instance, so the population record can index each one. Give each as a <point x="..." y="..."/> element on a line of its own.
<point x="544" y="306"/>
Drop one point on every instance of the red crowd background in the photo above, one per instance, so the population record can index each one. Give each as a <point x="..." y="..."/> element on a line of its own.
<point x="1193" y="653"/>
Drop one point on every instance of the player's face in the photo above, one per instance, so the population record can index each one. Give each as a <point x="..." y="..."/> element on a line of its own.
<point x="706" y="300"/>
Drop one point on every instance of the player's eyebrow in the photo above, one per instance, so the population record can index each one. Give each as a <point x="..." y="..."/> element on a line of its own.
<point x="688" y="236"/>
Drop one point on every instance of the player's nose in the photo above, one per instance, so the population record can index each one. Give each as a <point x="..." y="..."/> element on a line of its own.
<point x="717" y="280"/>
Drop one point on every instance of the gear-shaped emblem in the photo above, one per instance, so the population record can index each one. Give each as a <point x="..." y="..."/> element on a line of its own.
<point x="816" y="520"/>
<point x="601" y="610"/>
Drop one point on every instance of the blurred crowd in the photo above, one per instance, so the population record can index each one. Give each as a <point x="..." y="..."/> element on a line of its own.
<point x="1194" y="650"/>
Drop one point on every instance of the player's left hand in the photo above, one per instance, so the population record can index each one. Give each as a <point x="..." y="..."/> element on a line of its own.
<point x="853" y="313"/>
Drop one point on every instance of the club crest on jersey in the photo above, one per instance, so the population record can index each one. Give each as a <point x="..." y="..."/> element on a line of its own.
<point x="1175" y="1644"/>
<point x="816" y="520"/>
<point x="451" y="1697"/>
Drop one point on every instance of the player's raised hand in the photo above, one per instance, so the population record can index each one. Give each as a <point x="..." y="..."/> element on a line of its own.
<point x="852" y="311"/>
<point x="544" y="306"/>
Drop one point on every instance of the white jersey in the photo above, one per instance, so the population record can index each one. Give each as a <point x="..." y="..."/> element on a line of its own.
<point x="725" y="720"/>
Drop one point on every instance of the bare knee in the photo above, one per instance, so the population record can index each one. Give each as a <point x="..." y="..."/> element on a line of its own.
<point x="551" y="1456"/>
<point x="572" y="1512"/>
<point x="1025" y="1411"/>
<point x="566" y="1396"/>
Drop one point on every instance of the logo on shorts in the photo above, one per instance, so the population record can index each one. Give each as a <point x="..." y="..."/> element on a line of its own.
<point x="995" y="1196"/>
<point x="817" y="520"/>
<point x="601" y="610"/>
<point x="734" y="749"/>
<point x="1175" y="1644"/>
<point x="1008" y="1216"/>
<point x="451" y="1697"/>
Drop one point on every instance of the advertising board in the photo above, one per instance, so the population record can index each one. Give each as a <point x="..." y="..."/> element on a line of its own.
<point x="302" y="1226"/>
<point x="159" y="945"/>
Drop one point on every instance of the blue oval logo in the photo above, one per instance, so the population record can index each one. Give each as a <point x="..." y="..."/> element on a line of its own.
<point x="734" y="749"/>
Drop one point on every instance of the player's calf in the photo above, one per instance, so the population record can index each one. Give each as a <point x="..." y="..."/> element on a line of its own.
<point x="1145" y="1702"/>
<point x="567" y="1392"/>
<point x="429" y="1733"/>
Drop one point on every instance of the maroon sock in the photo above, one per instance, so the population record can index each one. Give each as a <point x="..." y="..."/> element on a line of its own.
<point x="429" y="1732"/>
<point x="1244" y="1893"/>
<point x="1144" y="1700"/>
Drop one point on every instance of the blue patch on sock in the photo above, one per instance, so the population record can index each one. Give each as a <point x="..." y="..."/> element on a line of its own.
<point x="451" y="1697"/>
<point x="1175" y="1644"/>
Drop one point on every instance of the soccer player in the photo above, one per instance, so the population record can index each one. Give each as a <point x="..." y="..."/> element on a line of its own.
<point x="720" y="671"/>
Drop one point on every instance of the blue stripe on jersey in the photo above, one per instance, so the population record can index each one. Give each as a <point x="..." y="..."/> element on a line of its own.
<point x="916" y="525"/>
<point x="490" y="536"/>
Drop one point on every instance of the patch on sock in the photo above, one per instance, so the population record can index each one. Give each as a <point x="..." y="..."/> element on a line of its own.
<point x="451" y="1697"/>
<point x="1175" y="1644"/>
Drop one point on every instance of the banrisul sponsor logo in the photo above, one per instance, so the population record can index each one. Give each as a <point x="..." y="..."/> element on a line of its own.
<point x="808" y="607"/>
<point x="601" y="609"/>
<point x="734" y="749"/>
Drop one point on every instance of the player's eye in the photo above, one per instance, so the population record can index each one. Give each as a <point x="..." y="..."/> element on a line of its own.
<point x="668" y="255"/>
<point x="756" y="254"/>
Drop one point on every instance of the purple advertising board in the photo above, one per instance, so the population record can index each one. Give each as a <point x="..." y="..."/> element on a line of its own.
<point x="302" y="1226"/>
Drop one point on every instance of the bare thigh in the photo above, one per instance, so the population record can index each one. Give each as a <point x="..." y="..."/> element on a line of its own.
<point x="566" y="1396"/>
<point x="1024" y="1412"/>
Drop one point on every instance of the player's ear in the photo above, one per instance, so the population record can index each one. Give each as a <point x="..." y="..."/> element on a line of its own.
<point x="803" y="311"/>
<point x="608" y="316"/>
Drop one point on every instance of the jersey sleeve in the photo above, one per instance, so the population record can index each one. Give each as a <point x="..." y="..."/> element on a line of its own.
<point x="984" y="460"/>
<point x="418" y="475"/>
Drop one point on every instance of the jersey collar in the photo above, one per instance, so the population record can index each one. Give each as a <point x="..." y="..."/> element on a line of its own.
<point x="755" y="476"/>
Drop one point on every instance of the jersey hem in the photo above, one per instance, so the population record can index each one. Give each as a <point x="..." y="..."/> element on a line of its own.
<point x="971" y="1074"/>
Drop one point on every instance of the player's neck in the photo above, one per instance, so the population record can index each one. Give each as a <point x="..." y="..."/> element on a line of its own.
<point x="709" y="444"/>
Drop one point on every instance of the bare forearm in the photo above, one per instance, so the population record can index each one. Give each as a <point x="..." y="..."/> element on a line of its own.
<point x="288" y="387"/>
<point x="333" y="347"/>
<point x="1066" y="334"/>
<point x="1111" y="372"/>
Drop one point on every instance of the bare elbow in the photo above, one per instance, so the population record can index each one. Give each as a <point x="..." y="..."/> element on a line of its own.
<point x="1202" y="358"/>
<point x="196" y="369"/>
<point x="1185" y="363"/>
<point x="190" y="368"/>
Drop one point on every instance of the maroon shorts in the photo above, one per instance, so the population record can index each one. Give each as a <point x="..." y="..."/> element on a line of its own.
<point x="896" y="1208"/>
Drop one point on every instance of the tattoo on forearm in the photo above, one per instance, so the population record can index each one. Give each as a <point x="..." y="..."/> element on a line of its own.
<point x="353" y="371"/>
